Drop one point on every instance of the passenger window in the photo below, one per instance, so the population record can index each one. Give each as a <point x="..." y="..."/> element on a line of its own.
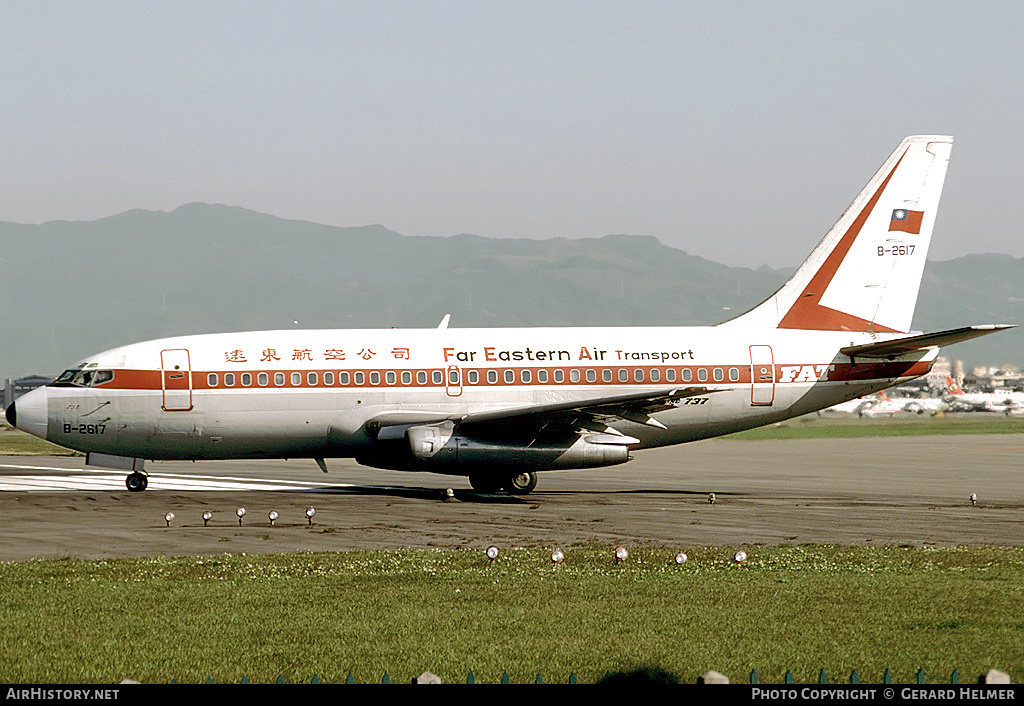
<point x="311" y="379"/>
<point x="623" y="375"/>
<point x="343" y="378"/>
<point x="559" y="376"/>
<point x="510" y="376"/>
<point x="406" y="377"/>
<point x="542" y="376"/>
<point x="438" y="377"/>
<point x="655" y="375"/>
<point x="702" y="374"/>
<point x="262" y="379"/>
<point x="421" y="377"/>
<point x="278" y="378"/>
<point x="246" y="379"/>
<point x="574" y="375"/>
<point x="734" y="374"/>
<point x="229" y="379"/>
<point x="211" y="380"/>
<point x="473" y="377"/>
<point x="719" y="375"/>
<point x="374" y="378"/>
<point x="296" y="379"/>
<point x="638" y="375"/>
<point x="687" y="375"/>
<point x="358" y="378"/>
<point x="390" y="377"/>
<point x="591" y="376"/>
<point x="606" y="375"/>
<point x="492" y="376"/>
<point x="328" y="378"/>
<point x="670" y="375"/>
<point x="526" y="376"/>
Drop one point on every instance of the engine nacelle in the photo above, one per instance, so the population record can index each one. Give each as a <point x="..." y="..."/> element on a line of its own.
<point x="441" y="445"/>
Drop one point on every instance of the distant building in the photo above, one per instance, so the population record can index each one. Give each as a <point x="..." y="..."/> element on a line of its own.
<point x="936" y="377"/>
<point x="13" y="389"/>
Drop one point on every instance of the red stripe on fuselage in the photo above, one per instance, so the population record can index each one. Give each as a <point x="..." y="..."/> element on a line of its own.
<point x="571" y="376"/>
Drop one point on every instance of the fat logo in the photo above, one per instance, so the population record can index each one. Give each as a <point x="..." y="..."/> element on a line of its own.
<point x="805" y="373"/>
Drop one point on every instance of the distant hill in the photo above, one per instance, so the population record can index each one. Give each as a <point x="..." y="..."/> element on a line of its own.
<point x="68" y="289"/>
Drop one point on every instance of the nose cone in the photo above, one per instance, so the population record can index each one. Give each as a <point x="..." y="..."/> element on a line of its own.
<point x="30" y="413"/>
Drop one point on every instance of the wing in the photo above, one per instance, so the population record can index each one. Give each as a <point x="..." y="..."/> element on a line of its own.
<point x="636" y="407"/>
<point x="557" y="418"/>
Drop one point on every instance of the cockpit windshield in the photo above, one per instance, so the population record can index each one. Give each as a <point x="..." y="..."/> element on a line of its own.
<point x="83" y="378"/>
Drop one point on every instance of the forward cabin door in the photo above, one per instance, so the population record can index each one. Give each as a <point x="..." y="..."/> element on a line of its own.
<point x="453" y="385"/>
<point x="762" y="376"/>
<point x="176" y="376"/>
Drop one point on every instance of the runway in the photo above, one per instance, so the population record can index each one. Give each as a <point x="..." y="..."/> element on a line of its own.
<point x="874" y="492"/>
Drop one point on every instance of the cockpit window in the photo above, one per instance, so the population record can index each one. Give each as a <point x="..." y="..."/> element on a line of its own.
<point x="83" y="378"/>
<point x="66" y="377"/>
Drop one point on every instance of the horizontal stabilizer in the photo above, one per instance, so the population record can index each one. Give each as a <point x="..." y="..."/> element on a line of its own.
<point x="901" y="346"/>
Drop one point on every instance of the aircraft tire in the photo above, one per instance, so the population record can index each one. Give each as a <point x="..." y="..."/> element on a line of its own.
<point x="136" y="482"/>
<point x="521" y="483"/>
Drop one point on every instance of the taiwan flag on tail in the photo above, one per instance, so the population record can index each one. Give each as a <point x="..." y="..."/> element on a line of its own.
<point x="906" y="221"/>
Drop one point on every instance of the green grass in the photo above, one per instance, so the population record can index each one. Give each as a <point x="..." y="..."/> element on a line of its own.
<point x="451" y="612"/>
<point x="814" y="427"/>
<point x="18" y="443"/>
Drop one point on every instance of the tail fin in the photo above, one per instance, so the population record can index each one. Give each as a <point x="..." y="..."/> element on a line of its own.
<point x="952" y="388"/>
<point x="866" y="272"/>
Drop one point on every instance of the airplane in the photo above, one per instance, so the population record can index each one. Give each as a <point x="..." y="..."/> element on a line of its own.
<point x="1009" y="402"/>
<point x="500" y="406"/>
<point x="885" y="406"/>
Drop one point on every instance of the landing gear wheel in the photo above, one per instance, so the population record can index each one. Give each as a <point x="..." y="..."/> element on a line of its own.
<point x="136" y="482"/>
<point x="521" y="483"/>
<point x="485" y="483"/>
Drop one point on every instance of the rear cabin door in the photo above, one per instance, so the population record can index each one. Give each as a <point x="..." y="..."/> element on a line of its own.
<point x="762" y="376"/>
<point x="176" y="375"/>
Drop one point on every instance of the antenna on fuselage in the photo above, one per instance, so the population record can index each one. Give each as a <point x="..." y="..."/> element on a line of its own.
<point x="444" y="321"/>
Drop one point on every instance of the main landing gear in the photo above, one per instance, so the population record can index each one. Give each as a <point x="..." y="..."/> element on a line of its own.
<point x="136" y="482"/>
<point x="516" y="484"/>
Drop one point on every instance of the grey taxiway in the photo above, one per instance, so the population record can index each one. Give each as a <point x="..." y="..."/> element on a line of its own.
<point x="870" y="492"/>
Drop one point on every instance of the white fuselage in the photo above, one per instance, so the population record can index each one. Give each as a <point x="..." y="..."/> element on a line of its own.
<point x="312" y="393"/>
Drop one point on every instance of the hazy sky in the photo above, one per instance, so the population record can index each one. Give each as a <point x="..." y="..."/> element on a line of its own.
<point x="738" y="131"/>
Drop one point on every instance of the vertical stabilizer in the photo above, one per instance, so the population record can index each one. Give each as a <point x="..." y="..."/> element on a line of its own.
<point x="866" y="272"/>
